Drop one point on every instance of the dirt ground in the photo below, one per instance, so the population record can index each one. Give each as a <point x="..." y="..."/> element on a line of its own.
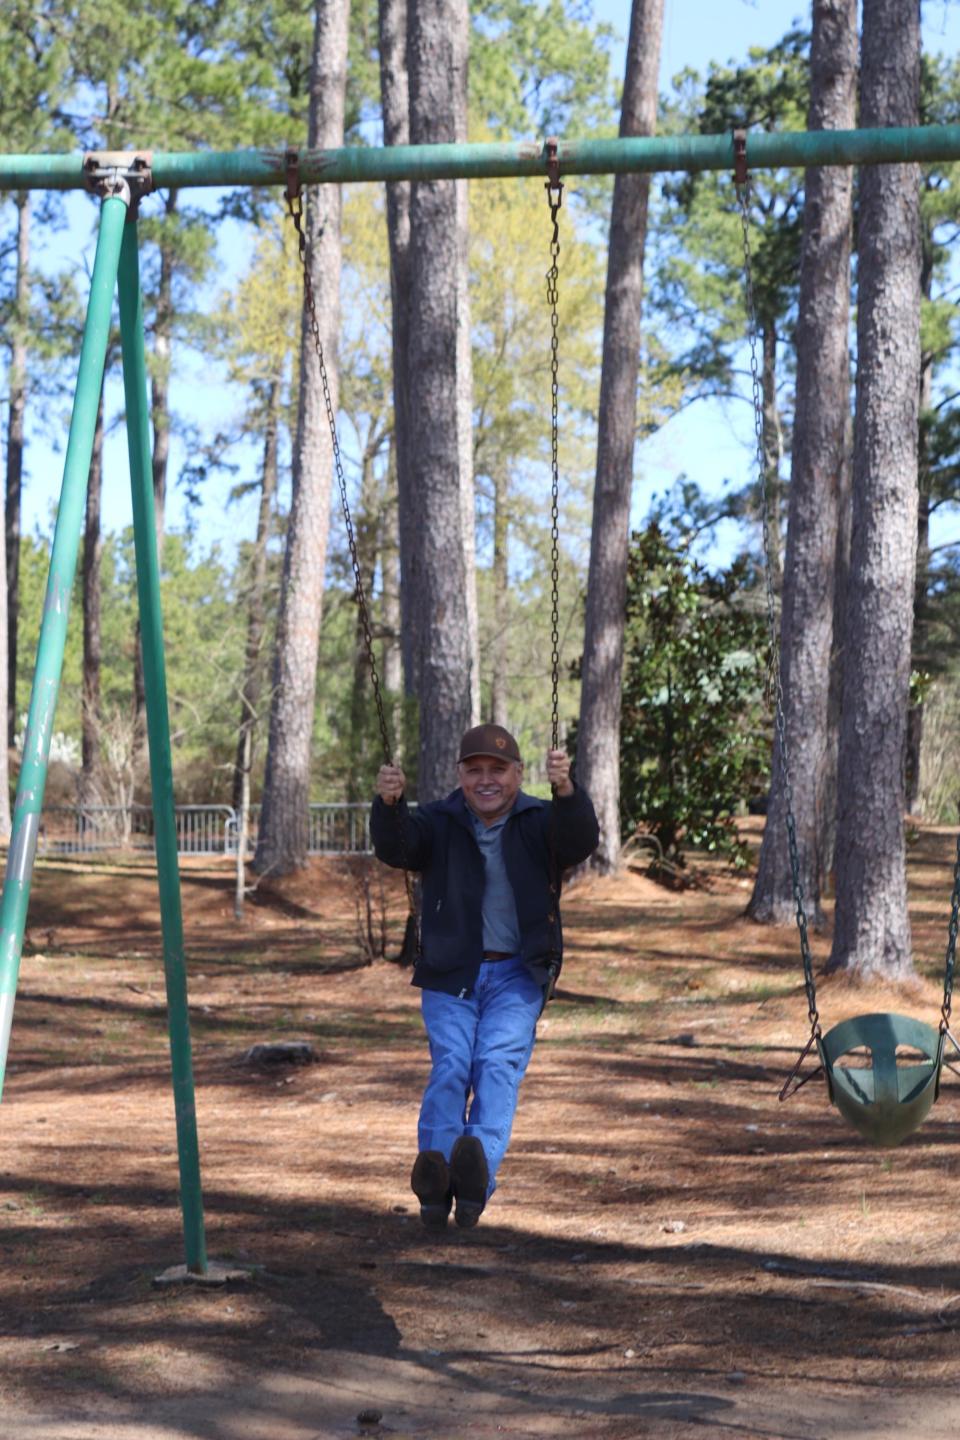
<point x="671" y="1253"/>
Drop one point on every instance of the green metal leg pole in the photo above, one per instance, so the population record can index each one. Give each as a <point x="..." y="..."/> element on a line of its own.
<point x="158" y="730"/>
<point x="53" y="630"/>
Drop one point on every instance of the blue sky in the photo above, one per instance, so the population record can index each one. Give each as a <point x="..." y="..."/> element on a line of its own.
<point x="711" y="443"/>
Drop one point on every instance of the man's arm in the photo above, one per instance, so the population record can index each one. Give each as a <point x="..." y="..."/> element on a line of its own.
<point x="577" y="831"/>
<point x="399" y="838"/>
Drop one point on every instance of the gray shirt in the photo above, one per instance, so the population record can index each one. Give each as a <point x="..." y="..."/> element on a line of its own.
<point x="501" y="928"/>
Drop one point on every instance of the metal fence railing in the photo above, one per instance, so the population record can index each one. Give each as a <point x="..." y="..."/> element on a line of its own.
<point x="201" y="829"/>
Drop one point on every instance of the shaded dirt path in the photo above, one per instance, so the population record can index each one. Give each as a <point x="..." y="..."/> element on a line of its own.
<point x="672" y="1253"/>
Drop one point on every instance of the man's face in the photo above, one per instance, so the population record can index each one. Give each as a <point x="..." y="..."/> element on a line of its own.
<point x="489" y="785"/>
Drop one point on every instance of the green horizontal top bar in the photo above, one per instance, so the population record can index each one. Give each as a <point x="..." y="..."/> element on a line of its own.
<point x="470" y="162"/>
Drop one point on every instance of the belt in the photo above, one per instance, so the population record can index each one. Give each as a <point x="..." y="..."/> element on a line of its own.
<point x="498" y="954"/>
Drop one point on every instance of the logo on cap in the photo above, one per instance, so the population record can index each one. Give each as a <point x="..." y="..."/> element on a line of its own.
<point x="500" y="743"/>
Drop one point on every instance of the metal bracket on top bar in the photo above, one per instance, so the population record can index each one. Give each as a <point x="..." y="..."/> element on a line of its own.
<point x="124" y="174"/>
<point x="554" y="183"/>
<point x="739" y="157"/>
<point x="291" y="160"/>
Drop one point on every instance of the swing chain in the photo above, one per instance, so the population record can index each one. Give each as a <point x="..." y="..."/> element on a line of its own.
<point x="554" y="189"/>
<point x="294" y="198"/>
<point x="775" y="677"/>
<point x="951" y="946"/>
<point x="295" y="205"/>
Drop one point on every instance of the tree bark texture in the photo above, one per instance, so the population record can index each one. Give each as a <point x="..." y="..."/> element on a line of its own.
<point x="367" y="531"/>
<point x="251" y="691"/>
<point x="468" y="497"/>
<point x="389" y="546"/>
<point x="921" y="617"/>
<point x="90" y="717"/>
<point x="819" y="464"/>
<point x="160" y="377"/>
<point x="160" y="460"/>
<point x="439" y="572"/>
<point x="913" y="742"/>
<point x="872" y="930"/>
<point x="598" y="743"/>
<point x="499" y="648"/>
<point x="282" y="841"/>
<point x="15" y="440"/>
<point x="395" y="104"/>
<point x="841" y="573"/>
<point x="772" y="445"/>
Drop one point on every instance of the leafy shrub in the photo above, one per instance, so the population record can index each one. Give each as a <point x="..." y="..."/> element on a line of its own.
<point x="694" y="745"/>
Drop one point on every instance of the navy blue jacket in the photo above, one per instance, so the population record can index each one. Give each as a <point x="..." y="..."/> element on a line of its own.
<point x="439" y="841"/>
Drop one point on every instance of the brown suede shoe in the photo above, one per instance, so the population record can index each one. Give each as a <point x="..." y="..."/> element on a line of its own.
<point x="469" y="1177"/>
<point x="430" y="1182"/>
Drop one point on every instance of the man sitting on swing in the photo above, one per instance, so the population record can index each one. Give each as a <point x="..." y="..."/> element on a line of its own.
<point x="491" y="860"/>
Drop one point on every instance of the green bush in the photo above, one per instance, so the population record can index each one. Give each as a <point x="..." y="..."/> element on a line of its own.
<point x="694" y="738"/>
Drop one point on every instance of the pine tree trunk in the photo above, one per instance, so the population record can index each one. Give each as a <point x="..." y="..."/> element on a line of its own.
<point x="160" y="461"/>
<point x="160" y="376"/>
<point x="499" y="649"/>
<point x="361" y="700"/>
<point x="251" y="691"/>
<point x="439" y="576"/>
<point x="389" y="545"/>
<point x="772" y="445"/>
<point x="841" y="572"/>
<point x="921" y="628"/>
<point x="395" y="103"/>
<point x="5" y="823"/>
<point x="468" y="498"/>
<point x="921" y="618"/>
<point x="15" y="439"/>
<point x="241" y="804"/>
<point x="282" y="840"/>
<point x="90" y="718"/>
<point x="598" y="743"/>
<point x="872" y="932"/>
<point x="822" y="411"/>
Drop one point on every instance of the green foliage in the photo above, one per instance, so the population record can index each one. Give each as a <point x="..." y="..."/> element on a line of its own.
<point x="178" y="74"/>
<point x="540" y="69"/>
<point x="34" y="95"/>
<point x="693" y="743"/>
<point x="697" y="287"/>
<point x="204" y="636"/>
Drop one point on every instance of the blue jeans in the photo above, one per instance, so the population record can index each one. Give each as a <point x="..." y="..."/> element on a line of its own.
<point x="480" y="1045"/>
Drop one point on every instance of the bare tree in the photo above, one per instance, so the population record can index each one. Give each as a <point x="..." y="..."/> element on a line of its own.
<point x="282" y="839"/>
<point x="436" y="574"/>
<point x="872" y="934"/>
<point x="598" y="742"/>
<point x="817" y="482"/>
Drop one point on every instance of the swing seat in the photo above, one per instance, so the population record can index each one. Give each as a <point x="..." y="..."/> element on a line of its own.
<point x="883" y="1100"/>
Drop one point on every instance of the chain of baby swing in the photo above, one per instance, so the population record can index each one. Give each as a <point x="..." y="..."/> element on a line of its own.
<point x="742" y="179"/>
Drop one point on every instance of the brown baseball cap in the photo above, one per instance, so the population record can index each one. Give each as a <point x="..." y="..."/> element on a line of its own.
<point x="489" y="740"/>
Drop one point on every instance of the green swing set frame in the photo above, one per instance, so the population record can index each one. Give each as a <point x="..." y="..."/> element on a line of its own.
<point x="120" y="180"/>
